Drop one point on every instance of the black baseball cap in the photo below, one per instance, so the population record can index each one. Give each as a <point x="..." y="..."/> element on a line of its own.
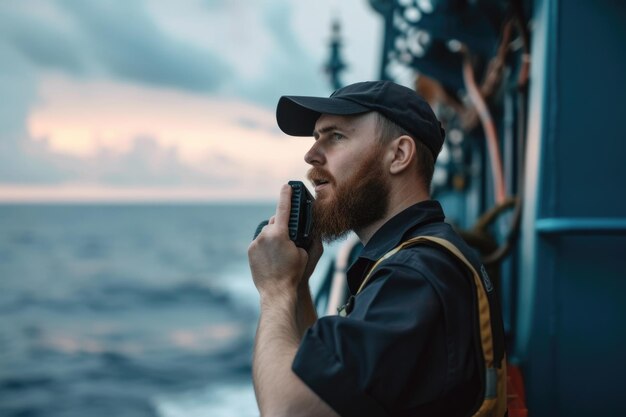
<point x="296" y="115"/>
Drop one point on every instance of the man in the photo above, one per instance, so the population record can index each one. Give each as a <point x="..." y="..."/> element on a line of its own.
<point x="409" y="341"/>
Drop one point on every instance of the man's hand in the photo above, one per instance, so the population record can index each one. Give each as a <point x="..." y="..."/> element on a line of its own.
<point x="277" y="265"/>
<point x="281" y="272"/>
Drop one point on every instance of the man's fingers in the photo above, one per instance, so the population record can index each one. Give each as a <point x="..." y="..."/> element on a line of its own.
<point x="283" y="207"/>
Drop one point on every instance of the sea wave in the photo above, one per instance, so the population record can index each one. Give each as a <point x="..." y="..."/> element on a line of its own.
<point x="127" y="311"/>
<point x="126" y="296"/>
<point x="216" y="400"/>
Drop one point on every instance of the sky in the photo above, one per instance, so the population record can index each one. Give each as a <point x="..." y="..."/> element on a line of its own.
<point x="164" y="100"/>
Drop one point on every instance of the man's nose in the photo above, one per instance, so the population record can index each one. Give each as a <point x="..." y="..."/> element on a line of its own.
<point x="315" y="155"/>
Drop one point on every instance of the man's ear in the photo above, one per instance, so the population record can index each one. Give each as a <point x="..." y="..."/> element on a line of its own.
<point x="403" y="148"/>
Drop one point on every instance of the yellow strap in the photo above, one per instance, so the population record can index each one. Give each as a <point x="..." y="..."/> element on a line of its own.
<point x="495" y="405"/>
<point x="387" y="256"/>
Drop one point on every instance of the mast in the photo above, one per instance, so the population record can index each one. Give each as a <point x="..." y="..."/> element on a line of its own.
<point x="335" y="65"/>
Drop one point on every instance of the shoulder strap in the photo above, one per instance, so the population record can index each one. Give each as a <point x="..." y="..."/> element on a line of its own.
<point x="495" y="400"/>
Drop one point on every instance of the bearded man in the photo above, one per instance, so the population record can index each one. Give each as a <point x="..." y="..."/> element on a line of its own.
<point x="421" y="333"/>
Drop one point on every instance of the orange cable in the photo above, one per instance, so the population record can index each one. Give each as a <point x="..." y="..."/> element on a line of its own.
<point x="488" y="126"/>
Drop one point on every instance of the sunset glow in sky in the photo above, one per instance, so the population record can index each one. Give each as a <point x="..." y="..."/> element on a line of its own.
<point x="163" y="101"/>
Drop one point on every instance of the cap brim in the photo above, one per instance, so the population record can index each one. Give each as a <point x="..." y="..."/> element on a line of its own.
<point x="296" y="115"/>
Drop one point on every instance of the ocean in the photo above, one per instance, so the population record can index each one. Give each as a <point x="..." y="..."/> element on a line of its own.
<point x="127" y="310"/>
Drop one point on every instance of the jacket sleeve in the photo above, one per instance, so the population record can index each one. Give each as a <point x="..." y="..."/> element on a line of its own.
<point x="362" y="364"/>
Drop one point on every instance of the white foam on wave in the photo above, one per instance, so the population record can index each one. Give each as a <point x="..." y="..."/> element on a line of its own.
<point x="236" y="280"/>
<point x="228" y="400"/>
<point x="232" y="400"/>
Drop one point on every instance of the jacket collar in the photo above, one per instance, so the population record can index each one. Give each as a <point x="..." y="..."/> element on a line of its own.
<point x="391" y="234"/>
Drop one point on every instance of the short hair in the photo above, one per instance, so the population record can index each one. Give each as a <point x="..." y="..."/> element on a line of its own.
<point x="388" y="130"/>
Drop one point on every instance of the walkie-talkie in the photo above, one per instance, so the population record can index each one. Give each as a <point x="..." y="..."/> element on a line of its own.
<point x="300" y="216"/>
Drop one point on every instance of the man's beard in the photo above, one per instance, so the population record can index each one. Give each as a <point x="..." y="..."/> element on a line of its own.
<point x="356" y="203"/>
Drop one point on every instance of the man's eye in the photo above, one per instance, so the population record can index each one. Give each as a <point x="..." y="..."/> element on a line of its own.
<point x="338" y="136"/>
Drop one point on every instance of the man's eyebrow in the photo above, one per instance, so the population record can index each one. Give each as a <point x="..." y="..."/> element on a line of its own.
<point x="326" y="129"/>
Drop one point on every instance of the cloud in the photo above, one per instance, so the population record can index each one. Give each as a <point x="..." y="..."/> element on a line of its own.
<point x="25" y="162"/>
<point x="168" y="94"/>
<point x="124" y="135"/>
<point x="250" y="49"/>
<point x="290" y="67"/>
<point x="42" y="43"/>
<point x="116" y="39"/>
